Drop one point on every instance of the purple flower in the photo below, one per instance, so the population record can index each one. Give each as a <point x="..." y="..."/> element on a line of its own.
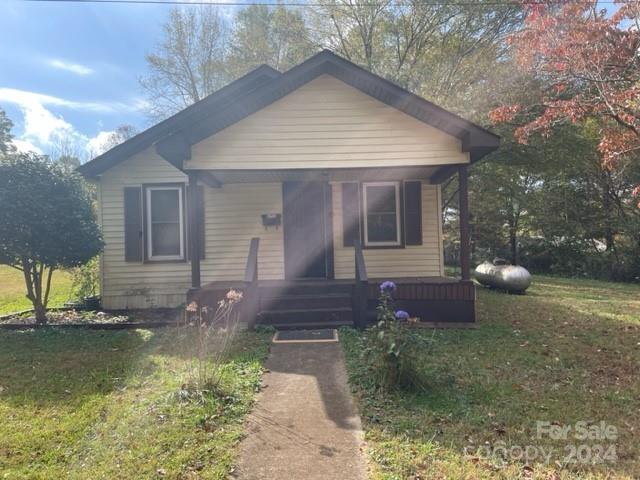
<point x="402" y="315"/>
<point x="387" y="286"/>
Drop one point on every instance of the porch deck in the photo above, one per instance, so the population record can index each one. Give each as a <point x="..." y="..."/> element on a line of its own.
<point x="332" y="302"/>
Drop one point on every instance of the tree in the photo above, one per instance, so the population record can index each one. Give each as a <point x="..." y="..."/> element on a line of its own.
<point x="588" y="62"/>
<point x="47" y="222"/>
<point x="448" y="53"/>
<point x="121" y="134"/>
<point x="5" y="133"/>
<point x="189" y="63"/>
<point x="268" y="34"/>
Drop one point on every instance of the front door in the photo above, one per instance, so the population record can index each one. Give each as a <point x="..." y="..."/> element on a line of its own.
<point x="306" y="229"/>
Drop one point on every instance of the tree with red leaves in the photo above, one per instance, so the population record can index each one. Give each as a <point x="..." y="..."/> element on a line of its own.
<point x="588" y="62"/>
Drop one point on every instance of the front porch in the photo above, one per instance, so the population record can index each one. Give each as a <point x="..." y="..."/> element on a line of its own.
<point x="332" y="303"/>
<point x="329" y="279"/>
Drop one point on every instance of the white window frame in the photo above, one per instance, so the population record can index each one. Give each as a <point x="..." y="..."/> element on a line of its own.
<point x="398" y="241"/>
<point x="159" y="258"/>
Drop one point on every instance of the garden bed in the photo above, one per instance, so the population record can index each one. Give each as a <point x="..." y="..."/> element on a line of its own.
<point x="94" y="319"/>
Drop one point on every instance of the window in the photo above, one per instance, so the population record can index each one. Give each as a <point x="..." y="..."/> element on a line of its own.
<point x="165" y="223"/>
<point x="381" y="202"/>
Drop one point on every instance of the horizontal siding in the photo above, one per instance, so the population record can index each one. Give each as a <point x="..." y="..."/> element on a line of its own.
<point x="232" y="218"/>
<point x="326" y="124"/>
<point x="412" y="261"/>
<point x="133" y="284"/>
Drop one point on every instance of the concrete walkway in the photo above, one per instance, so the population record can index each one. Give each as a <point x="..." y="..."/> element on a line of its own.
<point x="304" y="425"/>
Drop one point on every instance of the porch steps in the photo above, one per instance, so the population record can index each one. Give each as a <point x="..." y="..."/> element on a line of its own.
<point x="306" y="304"/>
<point x="286" y="302"/>
<point x="307" y="318"/>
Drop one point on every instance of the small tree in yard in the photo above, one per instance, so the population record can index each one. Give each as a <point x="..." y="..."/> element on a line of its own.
<point x="46" y="222"/>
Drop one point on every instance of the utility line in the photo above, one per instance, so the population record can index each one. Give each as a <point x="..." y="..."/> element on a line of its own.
<point x="228" y="3"/>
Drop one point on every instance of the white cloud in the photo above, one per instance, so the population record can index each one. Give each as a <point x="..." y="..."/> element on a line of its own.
<point x="48" y="132"/>
<point x="100" y="143"/>
<point x="22" y="97"/>
<point x="25" y="146"/>
<point x="70" y="67"/>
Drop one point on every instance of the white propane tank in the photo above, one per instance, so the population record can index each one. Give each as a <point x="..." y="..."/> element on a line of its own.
<point x="511" y="278"/>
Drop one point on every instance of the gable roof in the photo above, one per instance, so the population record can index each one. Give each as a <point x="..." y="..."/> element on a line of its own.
<point x="190" y="115"/>
<point x="173" y="137"/>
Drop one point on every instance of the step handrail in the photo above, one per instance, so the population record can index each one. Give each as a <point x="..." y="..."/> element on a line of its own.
<point x="361" y="268"/>
<point x="360" y="291"/>
<point x="251" y="291"/>
<point x="251" y="270"/>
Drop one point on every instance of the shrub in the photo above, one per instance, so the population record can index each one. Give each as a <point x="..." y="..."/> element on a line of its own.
<point x="85" y="279"/>
<point x="393" y="348"/>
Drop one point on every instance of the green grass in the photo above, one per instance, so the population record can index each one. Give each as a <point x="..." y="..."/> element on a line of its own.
<point x="13" y="290"/>
<point x="105" y="404"/>
<point x="567" y="351"/>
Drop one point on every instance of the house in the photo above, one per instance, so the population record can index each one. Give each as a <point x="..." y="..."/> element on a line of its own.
<point x="305" y="188"/>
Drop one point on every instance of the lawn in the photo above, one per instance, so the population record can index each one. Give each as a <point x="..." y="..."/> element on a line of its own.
<point x="566" y="352"/>
<point x="109" y="404"/>
<point x="12" y="290"/>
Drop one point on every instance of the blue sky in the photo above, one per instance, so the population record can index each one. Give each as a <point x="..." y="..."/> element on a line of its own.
<point x="72" y="70"/>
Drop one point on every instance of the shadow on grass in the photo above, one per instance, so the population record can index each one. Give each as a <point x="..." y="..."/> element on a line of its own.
<point x="550" y="356"/>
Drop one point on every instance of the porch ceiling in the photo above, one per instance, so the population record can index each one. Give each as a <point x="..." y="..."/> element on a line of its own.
<point x="331" y="175"/>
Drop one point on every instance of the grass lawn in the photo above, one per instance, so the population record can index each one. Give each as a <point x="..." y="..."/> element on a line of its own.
<point x="107" y="404"/>
<point x="567" y="351"/>
<point x="13" y="290"/>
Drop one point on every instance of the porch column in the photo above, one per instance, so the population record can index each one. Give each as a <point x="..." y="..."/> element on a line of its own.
<point x="465" y="242"/>
<point x="194" y="230"/>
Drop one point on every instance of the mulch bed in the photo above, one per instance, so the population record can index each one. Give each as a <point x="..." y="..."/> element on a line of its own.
<point x="95" y="319"/>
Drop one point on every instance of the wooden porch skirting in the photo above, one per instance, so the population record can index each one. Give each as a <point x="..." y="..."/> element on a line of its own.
<point x="432" y="299"/>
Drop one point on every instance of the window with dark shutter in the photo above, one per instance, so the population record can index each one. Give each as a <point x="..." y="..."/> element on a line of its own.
<point x="350" y="213"/>
<point x="381" y="201"/>
<point x="413" y="212"/>
<point x="133" y="224"/>
<point x="164" y="222"/>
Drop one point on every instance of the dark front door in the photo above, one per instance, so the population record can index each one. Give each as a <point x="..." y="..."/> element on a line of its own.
<point x="306" y="229"/>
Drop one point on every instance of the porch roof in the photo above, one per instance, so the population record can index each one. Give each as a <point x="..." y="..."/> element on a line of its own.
<point x="216" y="178"/>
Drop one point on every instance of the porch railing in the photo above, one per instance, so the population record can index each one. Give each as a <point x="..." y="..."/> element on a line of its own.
<point x="360" y="288"/>
<point x="251" y="292"/>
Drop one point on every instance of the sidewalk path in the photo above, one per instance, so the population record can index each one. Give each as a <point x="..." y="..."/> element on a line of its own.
<point x="304" y="425"/>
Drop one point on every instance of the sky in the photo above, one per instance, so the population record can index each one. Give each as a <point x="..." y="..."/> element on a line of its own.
<point x="71" y="70"/>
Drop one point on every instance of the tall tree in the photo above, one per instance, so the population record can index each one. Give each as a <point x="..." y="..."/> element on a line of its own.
<point x="188" y="64"/>
<point x="5" y="133"/>
<point x="447" y="53"/>
<point x="119" y="135"/>
<point x="588" y="62"/>
<point x="266" y="34"/>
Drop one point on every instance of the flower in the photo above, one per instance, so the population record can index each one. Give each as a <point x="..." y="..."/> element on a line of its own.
<point x="402" y="315"/>
<point x="387" y="286"/>
<point x="192" y="307"/>
<point x="234" y="295"/>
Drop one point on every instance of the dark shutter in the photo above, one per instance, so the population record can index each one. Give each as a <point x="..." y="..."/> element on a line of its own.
<point x="350" y="213"/>
<point x="413" y="212"/>
<point x="199" y="213"/>
<point x="133" y="225"/>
